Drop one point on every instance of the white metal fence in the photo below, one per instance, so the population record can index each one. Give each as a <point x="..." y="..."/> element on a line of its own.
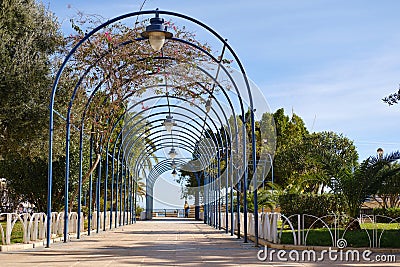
<point x="34" y="225"/>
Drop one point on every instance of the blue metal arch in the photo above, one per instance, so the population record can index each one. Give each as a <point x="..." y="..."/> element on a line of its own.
<point x="94" y="31"/>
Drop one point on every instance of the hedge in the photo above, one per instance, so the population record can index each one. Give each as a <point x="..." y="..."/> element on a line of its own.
<point x="312" y="204"/>
<point x="389" y="212"/>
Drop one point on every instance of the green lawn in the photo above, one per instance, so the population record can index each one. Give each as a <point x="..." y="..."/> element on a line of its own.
<point x="16" y="234"/>
<point x="357" y="238"/>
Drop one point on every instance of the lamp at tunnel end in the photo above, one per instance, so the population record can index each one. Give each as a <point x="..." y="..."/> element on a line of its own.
<point x="156" y="32"/>
<point x="172" y="153"/>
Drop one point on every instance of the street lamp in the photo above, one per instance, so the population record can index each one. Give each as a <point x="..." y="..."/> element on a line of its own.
<point x="168" y="123"/>
<point x="380" y="152"/>
<point x="265" y="141"/>
<point x="156" y="32"/>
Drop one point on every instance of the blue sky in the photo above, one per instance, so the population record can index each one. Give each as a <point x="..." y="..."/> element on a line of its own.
<point x="331" y="62"/>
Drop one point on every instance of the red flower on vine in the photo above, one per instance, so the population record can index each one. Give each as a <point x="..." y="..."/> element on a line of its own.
<point x="144" y="107"/>
<point x="108" y="36"/>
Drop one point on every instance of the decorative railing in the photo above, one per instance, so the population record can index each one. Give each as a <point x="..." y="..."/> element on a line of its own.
<point x="168" y="213"/>
<point x="34" y="225"/>
<point x="271" y="226"/>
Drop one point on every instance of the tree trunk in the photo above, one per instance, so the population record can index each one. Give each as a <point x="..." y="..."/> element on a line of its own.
<point x="354" y="223"/>
<point x="84" y="179"/>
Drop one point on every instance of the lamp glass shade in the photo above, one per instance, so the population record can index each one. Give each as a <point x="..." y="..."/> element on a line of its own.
<point x="169" y="123"/>
<point x="168" y="127"/>
<point x="157" y="40"/>
<point x="172" y="153"/>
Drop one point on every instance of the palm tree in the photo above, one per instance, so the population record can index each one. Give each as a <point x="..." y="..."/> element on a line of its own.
<point x="392" y="98"/>
<point x="365" y="181"/>
<point x="140" y="188"/>
<point x="268" y="197"/>
<point x="389" y="192"/>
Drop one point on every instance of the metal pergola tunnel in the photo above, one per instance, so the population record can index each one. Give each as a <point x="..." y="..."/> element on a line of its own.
<point x="147" y="97"/>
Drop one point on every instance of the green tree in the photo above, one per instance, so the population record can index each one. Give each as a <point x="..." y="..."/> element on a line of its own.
<point x="30" y="39"/>
<point x="309" y="159"/>
<point x="328" y="153"/>
<point x="27" y="179"/>
<point x="392" y="98"/>
<point x="290" y="133"/>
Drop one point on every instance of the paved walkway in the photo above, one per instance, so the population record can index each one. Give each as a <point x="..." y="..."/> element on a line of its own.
<point x="168" y="242"/>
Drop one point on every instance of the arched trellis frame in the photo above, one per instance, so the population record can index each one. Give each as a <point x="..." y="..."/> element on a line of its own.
<point x="173" y="106"/>
<point x="123" y="160"/>
<point x="166" y="142"/>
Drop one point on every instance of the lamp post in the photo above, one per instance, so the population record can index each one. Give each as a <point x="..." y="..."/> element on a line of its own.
<point x="380" y="152"/>
<point x="272" y="169"/>
<point x="265" y="141"/>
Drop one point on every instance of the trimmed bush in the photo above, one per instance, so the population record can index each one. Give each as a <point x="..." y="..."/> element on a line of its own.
<point x="316" y="205"/>
<point x="389" y="212"/>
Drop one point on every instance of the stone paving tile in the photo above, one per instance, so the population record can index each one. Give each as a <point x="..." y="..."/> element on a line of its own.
<point x="173" y="242"/>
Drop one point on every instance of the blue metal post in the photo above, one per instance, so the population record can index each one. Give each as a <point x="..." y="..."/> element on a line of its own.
<point x="215" y="199"/>
<point x="98" y="181"/>
<point x="120" y="190"/>
<point x="50" y="178"/>
<point x="112" y="188"/>
<point x="135" y="200"/>
<point x="245" y="180"/>
<point x="90" y="182"/>
<point x="105" y="191"/>
<point x="205" y="198"/>
<point x="212" y="218"/>
<point x="118" y="174"/>
<point x="219" y="190"/>
<point x="232" y="211"/>
<point x="66" y="184"/>
<point x="231" y="195"/>
<point x="125" y="204"/>
<point x="130" y="197"/>
<point x="238" y="206"/>
<point x="116" y="192"/>
<point x="197" y="196"/>
<point x="226" y="192"/>
<point x="254" y="156"/>
<point x="80" y="182"/>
